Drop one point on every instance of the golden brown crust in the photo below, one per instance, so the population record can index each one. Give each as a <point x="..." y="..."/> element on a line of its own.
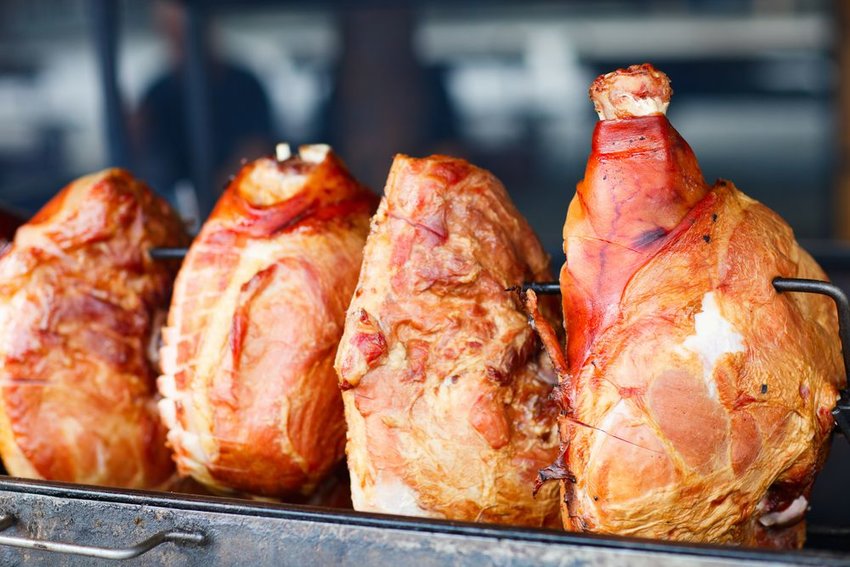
<point x="78" y="302"/>
<point x="251" y="399"/>
<point x="673" y="453"/>
<point x="698" y="401"/>
<point x="446" y="391"/>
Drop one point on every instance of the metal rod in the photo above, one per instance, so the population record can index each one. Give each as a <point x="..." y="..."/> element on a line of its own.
<point x="838" y="258"/>
<point x="168" y="253"/>
<point x="7" y="520"/>
<point x="105" y="27"/>
<point x="543" y="288"/>
<point x="841" y="413"/>
<point x="833" y="292"/>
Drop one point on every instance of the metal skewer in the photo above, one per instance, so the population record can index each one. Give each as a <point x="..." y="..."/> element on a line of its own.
<point x="841" y="413"/>
<point x="543" y="288"/>
<point x="168" y="253"/>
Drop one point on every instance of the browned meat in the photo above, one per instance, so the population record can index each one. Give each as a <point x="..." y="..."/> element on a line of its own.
<point x="80" y="300"/>
<point x="445" y="387"/>
<point x="251" y="398"/>
<point x="697" y="401"/>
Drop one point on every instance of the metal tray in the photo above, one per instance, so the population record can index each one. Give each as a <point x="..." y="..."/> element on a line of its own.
<point x="48" y="523"/>
<point x="80" y="523"/>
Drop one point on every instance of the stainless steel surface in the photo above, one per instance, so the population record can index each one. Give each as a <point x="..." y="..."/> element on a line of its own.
<point x="177" y="537"/>
<point x="239" y="532"/>
<point x="101" y="523"/>
<point x="168" y="253"/>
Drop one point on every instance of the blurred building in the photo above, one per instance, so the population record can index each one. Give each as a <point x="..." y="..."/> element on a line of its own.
<point x="505" y="86"/>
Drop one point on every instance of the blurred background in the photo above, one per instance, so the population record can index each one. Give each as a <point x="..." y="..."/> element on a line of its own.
<point x="180" y="92"/>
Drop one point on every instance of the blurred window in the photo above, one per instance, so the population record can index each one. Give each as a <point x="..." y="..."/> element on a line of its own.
<point x="505" y="87"/>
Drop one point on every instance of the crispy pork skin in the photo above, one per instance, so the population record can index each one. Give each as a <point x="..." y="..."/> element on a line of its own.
<point x="696" y="405"/>
<point x="250" y="394"/>
<point x="446" y="389"/>
<point x="80" y="300"/>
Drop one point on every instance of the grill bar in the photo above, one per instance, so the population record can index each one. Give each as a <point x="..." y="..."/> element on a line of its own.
<point x="168" y="253"/>
<point x="841" y="413"/>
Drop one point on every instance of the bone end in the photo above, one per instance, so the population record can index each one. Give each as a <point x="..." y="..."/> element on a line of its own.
<point x="314" y="153"/>
<point x="282" y="152"/>
<point x="639" y="90"/>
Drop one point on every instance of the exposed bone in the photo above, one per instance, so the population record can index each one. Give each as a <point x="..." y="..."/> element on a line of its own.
<point x="640" y="90"/>
<point x="314" y="153"/>
<point x="265" y="185"/>
<point x="793" y="513"/>
<point x="283" y="152"/>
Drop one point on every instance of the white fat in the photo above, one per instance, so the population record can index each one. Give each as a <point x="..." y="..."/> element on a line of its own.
<point x="392" y="496"/>
<point x="635" y="106"/>
<point x="72" y="429"/>
<point x="100" y="456"/>
<point x="789" y="515"/>
<point x="282" y="152"/>
<point x="185" y="443"/>
<point x="446" y="387"/>
<point x="168" y="359"/>
<point x="191" y="445"/>
<point x="156" y="337"/>
<point x="314" y="153"/>
<point x="167" y="386"/>
<point x="169" y="335"/>
<point x="266" y="185"/>
<point x="168" y="412"/>
<point x="714" y="337"/>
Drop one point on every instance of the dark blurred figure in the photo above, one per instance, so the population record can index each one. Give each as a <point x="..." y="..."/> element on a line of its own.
<point x="239" y="109"/>
<point x="385" y="101"/>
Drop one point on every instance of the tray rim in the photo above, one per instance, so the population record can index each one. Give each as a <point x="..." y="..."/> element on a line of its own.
<point x="226" y="505"/>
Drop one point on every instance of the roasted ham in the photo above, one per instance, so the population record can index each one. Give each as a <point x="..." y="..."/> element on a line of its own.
<point x="250" y="394"/>
<point x="446" y="388"/>
<point x="696" y="399"/>
<point x="80" y="302"/>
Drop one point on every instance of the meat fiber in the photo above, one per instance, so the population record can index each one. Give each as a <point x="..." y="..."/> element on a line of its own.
<point x="446" y="388"/>
<point x="696" y="403"/>
<point x="250" y="393"/>
<point x="80" y="304"/>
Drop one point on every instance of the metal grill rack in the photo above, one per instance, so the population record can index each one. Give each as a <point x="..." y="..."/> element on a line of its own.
<point x="38" y="520"/>
<point x="841" y="412"/>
